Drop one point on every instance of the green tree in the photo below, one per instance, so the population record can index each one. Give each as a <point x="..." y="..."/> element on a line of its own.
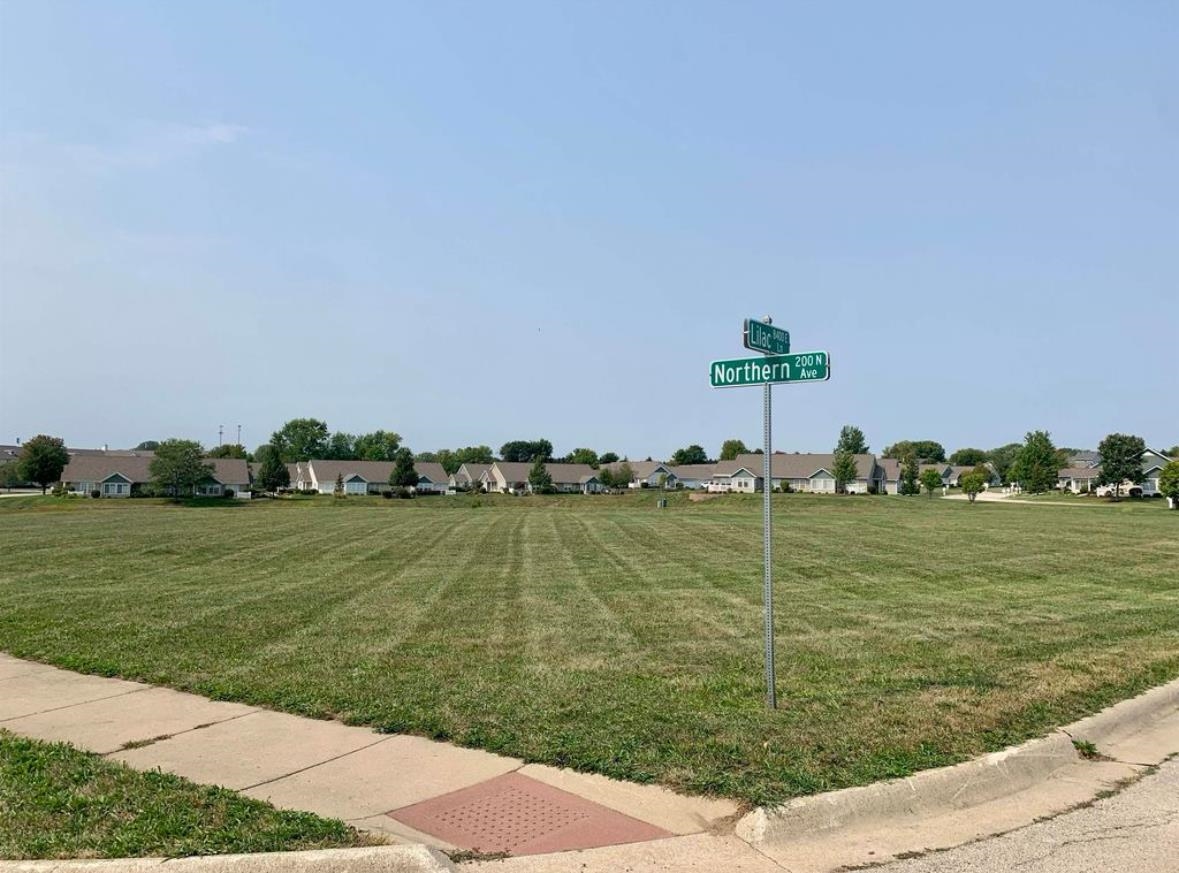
<point x="608" y="458"/>
<point x="228" y="450"/>
<point x="1169" y="483"/>
<point x="1173" y="452"/>
<point x="380" y="445"/>
<point x="851" y="440"/>
<point x="538" y="477"/>
<point x="426" y="456"/>
<point x="525" y="451"/>
<point x="42" y="459"/>
<point x="1003" y="458"/>
<point x="10" y="476"/>
<point x="584" y="456"/>
<point x="926" y="450"/>
<point x="1037" y="466"/>
<point x="844" y="470"/>
<point x="301" y="439"/>
<point x="731" y="448"/>
<point x="148" y="446"/>
<point x="606" y="477"/>
<point x="404" y="475"/>
<point x="968" y="457"/>
<point x="338" y="491"/>
<point x="692" y="454"/>
<point x="624" y="475"/>
<point x="910" y="470"/>
<point x="930" y="481"/>
<point x="1121" y="461"/>
<point x="972" y="484"/>
<point x="179" y="466"/>
<point x="272" y="472"/>
<point x="340" y="447"/>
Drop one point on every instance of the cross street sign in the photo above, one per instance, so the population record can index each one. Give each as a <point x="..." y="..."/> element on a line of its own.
<point x="772" y="369"/>
<point x="762" y="337"/>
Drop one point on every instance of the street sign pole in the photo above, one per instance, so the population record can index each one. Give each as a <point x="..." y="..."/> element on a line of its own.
<point x="767" y="528"/>
<point x="777" y="365"/>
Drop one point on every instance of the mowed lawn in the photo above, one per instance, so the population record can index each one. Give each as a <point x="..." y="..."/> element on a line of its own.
<point x="604" y="634"/>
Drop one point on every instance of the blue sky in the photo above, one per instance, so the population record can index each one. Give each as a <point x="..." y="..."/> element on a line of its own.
<point x="478" y="222"/>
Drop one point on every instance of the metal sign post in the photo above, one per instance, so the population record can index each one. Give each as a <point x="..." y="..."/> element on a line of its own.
<point x="777" y="366"/>
<point x="767" y="595"/>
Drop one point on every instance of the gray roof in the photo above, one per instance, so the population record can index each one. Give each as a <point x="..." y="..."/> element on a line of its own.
<point x="640" y="469"/>
<point x="369" y="471"/>
<point x="431" y="470"/>
<point x="1079" y="473"/>
<point x="136" y="468"/>
<point x="795" y="465"/>
<point x="693" y="471"/>
<point x="563" y="474"/>
<point x="473" y="471"/>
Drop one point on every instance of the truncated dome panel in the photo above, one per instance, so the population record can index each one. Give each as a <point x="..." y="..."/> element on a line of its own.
<point x="515" y="814"/>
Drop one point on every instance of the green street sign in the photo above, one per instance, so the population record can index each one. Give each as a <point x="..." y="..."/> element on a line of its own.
<point x="772" y="369"/>
<point x="762" y="337"/>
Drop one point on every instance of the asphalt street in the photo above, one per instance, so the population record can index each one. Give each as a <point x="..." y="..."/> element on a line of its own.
<point x="1135" y="831"/>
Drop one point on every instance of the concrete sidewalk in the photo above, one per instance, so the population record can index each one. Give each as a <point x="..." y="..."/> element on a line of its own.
<point x="415" y="791"/>
<point x="408" y="788"/>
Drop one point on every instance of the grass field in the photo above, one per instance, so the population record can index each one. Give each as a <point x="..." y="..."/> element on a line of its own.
<point x="58" y="802"/>
<point x="604" y="634"/>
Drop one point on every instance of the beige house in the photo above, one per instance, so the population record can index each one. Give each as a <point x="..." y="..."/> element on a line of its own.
<point x="468" y="476"/>
<point x="646" y="474"/>
<point x="802" y="472"/>
<point x="364" y="477"/>
<point x="118" y="475"/>
<point x="511" y="477"/>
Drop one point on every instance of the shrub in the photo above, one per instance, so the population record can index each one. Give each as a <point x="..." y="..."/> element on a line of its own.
<point x="229" y="492"/>
<point x="58" y="490"/>
<point x="95" y="493"/>
<point x="388" y="495"/>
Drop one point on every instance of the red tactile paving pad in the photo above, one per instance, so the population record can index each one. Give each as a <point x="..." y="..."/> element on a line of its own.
<point x="512" y="813"/>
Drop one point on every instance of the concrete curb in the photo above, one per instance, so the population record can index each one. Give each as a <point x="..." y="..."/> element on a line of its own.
<point x="1128" y="717"/>
<point x="377" y="859"/>
<point x="930" y="791"/>
<point x="960" y="786"/>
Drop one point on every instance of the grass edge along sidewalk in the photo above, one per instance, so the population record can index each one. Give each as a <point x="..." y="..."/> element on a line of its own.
<point x="58" y="802"/>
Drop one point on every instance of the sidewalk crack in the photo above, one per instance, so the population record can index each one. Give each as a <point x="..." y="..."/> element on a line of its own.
<point x="380" y="739"/>
<point x="72" y="705"/>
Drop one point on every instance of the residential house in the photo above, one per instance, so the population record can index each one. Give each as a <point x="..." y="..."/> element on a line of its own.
<point x="364" y="477"/>
<point x="511" y="477"/>
<point x="646" y="474"/>
<point x="467" y="476"/>
<point x="1152" y="467"/>
<point x="692" y="476"/>
<point x="1078" y="479"/>
<point x="117" y="475"/>
<point x="802" y="472"/>
<point x="1075" y="478"/>
<point x="432" y="477"/>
